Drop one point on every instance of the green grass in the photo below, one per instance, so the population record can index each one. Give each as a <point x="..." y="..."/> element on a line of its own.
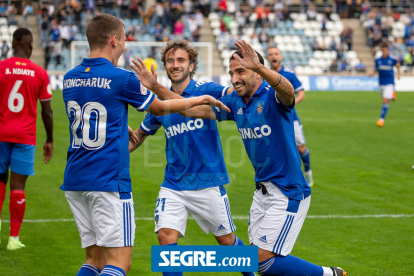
<point x="358" y="169"/>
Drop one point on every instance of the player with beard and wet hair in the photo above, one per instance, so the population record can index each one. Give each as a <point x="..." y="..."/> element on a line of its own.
<point x="275" y="57"/>
<point x="195" y="174"/>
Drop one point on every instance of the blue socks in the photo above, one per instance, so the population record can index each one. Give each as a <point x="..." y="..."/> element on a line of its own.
<point x="88" y="270"/>
<point x="289" y="266"/>
<point x="238" y="242"/>
<point x="384" y="110"/>
<point x="305" y="159"/>
<point x="111" y="270"/>
<point x="172" y="273"/>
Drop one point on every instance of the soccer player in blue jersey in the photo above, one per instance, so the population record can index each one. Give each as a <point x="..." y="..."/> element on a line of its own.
<point x="275" y="57"/>
<point x="384" y="65"/>
<point x="97" y="184"/>
<point x="262" y="107"/>
<point x="195" y="171"/>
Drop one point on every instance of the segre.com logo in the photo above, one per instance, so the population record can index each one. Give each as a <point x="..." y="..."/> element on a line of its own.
<point x="204" y="258"/>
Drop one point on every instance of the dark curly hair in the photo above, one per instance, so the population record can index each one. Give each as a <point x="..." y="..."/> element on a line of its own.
<point x="181" y="44"/>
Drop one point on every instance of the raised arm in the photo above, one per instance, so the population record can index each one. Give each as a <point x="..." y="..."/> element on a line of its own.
<point x="47" y="117"/>
<point x="176" y="102"/>
<point x="284" y="89"/>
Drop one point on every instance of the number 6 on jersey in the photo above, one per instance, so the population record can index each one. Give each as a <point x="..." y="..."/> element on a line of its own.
<point x="91" y="114"/>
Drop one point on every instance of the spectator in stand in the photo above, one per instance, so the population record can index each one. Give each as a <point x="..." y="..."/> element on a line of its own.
<point x="328" y="12"/>
<point x="64" y="34"/>
<point x="57" y="50"/>
<point x="44" y="27"/>
<point x="55" y="33"/>
<point x="259" y="10"/>
<point x="158" y="30"/>
<point x="73" y="30"/>
<point x="332" y="45"/>
<point x="175" y="12"/>
<point x="334" y="66"/>
<point x="27" y="9"/>
<point x="192" y="24"/>
<point x="263" y="38"/>
<point x="69" y="12"/>
<point x="366" y="7"/>
<point x="77" y="12"/>
<point x="199" y="18"/>
<point x="324" y="20"/>
<point x="4" y="50"/>
<point x="48" y="54"/>
<point x="134" y="7"/>
<point x="311" y="13"/>
<point x="197" y="34"/>
<point x="124" y="8"/>
<point x="87" y="18"/>
<point x="360" y="67"/>
<point x="315" y="45"/>
<point x="158" y="14"/>
<point x="11" y="15"/>
<point x="130" y="36"/>
<point x="179" y="28"/>
<point x="278" y="6"/>
<point x="286" y="14"/>
<point x="343" y="66"/>
<point x="227" y="19"/>
<point x="90" y="5"/>
<point x="223" y="6"/>
<point x="254" y="38"/>
<point x="187" y="6"/>
<point x="349" y="38"/>
<point x="3" y="9"/>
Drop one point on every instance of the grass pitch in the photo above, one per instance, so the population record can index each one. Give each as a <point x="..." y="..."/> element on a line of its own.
<point x="359" y="169"/>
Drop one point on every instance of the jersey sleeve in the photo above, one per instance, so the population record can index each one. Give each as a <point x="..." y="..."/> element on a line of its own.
<point x="151" y="124"/>
<point x="297" y="85"/>
<point x="45" y="93"/>
<point x="135" y="94"/>
<point x="216" y="90"/>
<point x="223" y="115"/>
<point x="277" y="101"/>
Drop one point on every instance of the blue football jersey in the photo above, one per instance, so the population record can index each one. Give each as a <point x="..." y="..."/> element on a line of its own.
<point x="96" y="96"/>
<point x="193" y="148"/>
<point x="385" y="68"/>
<point x="297" y="85"/>
<point x="266" y="127"/>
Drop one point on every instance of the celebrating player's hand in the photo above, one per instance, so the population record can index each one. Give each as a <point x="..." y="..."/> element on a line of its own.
<point x="47" y="151"/>
<point x="250" y="59"/>
<point x="147" y="78"/>
<point x="209" y="100"/>
<point x="133" y="138"/>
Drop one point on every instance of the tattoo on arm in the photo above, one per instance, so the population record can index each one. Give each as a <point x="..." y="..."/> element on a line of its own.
<point x="285" y="91"/>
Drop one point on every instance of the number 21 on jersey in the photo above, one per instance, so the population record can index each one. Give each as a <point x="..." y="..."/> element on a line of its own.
<point x="91" y="115"/>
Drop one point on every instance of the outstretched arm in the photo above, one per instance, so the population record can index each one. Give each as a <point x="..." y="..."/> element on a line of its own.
<point x="284" y="89"/>
<point x="47" y="117"/>
<point x="176" y="102"/>
<point x="141" y="138"/>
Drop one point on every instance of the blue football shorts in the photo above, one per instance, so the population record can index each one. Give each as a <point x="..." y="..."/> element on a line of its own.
<point x="19" y="157"/>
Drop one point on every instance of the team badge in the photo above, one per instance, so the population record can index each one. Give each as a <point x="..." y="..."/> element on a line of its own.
<point x="87" y="69"/>
<point x="259" y="107"/>
<point x="144" y="90"/>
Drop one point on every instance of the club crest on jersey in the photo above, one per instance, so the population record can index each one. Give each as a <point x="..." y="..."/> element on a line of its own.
<point x="144" y="90"/>
<point x="259" y="107"/>
<point x="88" y="69"/>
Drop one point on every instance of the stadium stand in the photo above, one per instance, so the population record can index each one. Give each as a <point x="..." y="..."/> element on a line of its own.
<point x="6" y="33"/>
<point x="295" y="36"/>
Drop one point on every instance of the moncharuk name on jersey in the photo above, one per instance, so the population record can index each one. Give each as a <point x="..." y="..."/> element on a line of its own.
<point x="183" y="127"/>
<point x="256" y="133"/>
<point x="89" y="82"/>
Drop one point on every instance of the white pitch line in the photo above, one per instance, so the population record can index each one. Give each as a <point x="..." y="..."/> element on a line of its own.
<point x="246" y="218"/>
